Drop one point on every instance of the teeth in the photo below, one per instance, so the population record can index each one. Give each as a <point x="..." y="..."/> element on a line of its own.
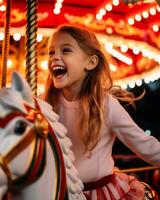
<point x="58" y="70"/>
<point x="58" y="67"/>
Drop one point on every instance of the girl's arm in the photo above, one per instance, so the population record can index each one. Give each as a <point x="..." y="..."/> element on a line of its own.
<point x="146" y="147"/>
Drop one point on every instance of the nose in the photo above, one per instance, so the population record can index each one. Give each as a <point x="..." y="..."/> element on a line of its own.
<point x="56" y="56"/>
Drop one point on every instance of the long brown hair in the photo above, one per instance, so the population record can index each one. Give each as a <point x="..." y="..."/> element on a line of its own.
<point x="96" y="85"/>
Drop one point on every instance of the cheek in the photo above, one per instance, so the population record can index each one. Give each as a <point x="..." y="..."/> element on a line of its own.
<point x="49" y="65"/>
<point x="49" y="62"/>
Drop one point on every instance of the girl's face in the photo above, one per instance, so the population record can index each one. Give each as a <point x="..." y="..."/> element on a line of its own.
<point x="67" y="64"/>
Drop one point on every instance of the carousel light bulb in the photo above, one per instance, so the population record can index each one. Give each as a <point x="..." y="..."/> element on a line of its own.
<point x="17" y="36"/>
<point x="131" y="21"/>
<point x="155" y="28"/>
<point x="1" y="36"/>
<point x="157" y="58"/>
<point x="109" y="30"/>
<point x="151" y="55"/>
<point x="158" y="8"/>
<point x="124" y="48"/>
<point x="145" y="14"/>
<point x="152" y="78"/>
<point x="115" y="2"/>
<point x="60" y="1"/>
<point x="1" y="1"/>
<point x="56" y="11"/>
<point x="58" y="5"/>
<point x="108" y="7"/>
<point x="146" y="80"/>
<point x="2" y="8"/>
<point x="152" y="11"/>
<point x="99" y="16"/>
<point x="113" y="68"/>
<point x="41" y="88"/>
<point x="102" y="11"/>
<point x="138" y="82"/>
<point x="124" y="86"/>
<point x="44" y="65"/>
<point x="39" y="37"/>
<point x="9" y="63"/>
<point x="147" y="132"/>
<point x="138" y="17"/>
<point x="145" y="52"/>
<point x="109" y="46"/>
<point x="158" y="75"/>
<point x="136" y="50"/>
<point x="131" y="84"/>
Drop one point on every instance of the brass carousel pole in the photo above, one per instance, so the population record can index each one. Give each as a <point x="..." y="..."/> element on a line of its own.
<point x="31" y="45"/>
<point x="6" y="41"/>
<point x="137" y="169"/>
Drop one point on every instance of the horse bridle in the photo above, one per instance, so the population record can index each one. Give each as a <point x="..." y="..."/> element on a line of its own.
<point x="39" y="132"/>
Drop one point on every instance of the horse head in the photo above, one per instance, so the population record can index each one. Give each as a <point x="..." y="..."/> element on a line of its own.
<point x="36" y="161"/>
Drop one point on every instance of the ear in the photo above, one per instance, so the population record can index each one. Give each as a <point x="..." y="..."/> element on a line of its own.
<point x="20" y="84"/>
<point x="92" y="63"/>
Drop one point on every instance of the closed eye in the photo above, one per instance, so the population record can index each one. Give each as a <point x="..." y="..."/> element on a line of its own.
<point x="66" y="50"/>
<point x="51" y="53"/>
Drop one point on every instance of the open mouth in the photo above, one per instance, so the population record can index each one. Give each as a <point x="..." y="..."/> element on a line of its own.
<point x="59" y="70"/>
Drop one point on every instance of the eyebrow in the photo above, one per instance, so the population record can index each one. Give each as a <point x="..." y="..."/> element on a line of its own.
<point x="65" y="44"/>
<point x="51" y="49"/>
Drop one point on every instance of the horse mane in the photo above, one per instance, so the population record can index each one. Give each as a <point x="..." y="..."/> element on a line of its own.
<point x="75" y="185"/>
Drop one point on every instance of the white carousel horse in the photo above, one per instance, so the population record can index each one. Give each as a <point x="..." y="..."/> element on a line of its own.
<point x="36" y="161"/>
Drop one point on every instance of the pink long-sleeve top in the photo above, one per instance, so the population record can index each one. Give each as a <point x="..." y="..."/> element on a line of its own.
<point x="118" y="123"/>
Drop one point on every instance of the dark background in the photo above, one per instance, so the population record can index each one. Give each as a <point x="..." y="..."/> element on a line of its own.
<point x="146" y="115"/>
<point x="147" y="110"/>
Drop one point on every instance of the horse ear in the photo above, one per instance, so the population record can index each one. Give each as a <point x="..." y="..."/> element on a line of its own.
<point x="20" y="84"/>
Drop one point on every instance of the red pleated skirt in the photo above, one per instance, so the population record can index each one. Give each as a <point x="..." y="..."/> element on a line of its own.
<point x="118" y="186"/>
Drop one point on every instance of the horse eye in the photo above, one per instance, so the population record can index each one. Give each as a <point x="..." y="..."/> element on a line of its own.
<point x="20" y="127"/>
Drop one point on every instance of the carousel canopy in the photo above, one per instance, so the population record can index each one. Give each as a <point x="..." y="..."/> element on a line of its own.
<point x="129" y="32"/>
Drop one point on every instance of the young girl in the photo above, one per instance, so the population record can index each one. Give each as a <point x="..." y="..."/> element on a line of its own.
<point x="80" y="89"/>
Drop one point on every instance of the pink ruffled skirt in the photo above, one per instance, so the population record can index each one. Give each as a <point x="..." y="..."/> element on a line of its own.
<point x="118" y="186"/>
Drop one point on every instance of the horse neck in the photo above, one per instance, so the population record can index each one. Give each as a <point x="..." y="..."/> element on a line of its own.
<point x="74" y="184"/>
